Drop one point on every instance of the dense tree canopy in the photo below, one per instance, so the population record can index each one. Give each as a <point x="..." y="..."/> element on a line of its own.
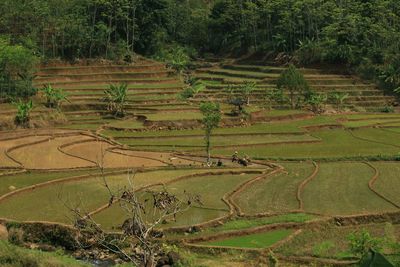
<point x="364" y="34"/>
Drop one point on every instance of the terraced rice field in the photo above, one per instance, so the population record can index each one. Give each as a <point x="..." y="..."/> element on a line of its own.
<point x="342" y="189"/>
<point x="86" y="192"/>
<point x="334" y="144"/>
<point x="306" y="169"/>
<point x="361" y="94"/>
<point x="257" y="241"/>
<point x="275" y="193"/>
<point x="388" y="180"/>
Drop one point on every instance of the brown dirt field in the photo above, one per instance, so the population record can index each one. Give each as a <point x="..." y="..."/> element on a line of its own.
<point x="3" y="232"/>
<point x="95" y="150"/>
<point x="6" y="162"/>
<point x="14" y="134"/>
<point x="47" y="156"/>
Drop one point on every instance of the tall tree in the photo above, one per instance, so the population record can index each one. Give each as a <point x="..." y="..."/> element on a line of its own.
<point x="211" y="118"/>
<point x="292" y="80"/>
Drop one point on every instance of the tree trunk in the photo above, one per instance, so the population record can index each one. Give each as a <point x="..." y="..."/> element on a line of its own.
<point x="109" y="35"/>
<point x="208" y="145"/>
<point x="92" y="33"/>
<point x="133" y="27"/>
<point x="292" y="104"/>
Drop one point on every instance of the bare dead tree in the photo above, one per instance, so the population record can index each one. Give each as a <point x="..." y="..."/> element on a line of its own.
<point x="145" y="210"/>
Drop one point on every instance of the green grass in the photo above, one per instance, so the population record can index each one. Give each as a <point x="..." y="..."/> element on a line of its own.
<point x="261" y="128"/>
<point x="371" y="122"/>
<point x="35" y="177"/>
<point x="243" y="223"/>
<point x="210" y="188"/>
<point x="112" y="218"/>
<point x="388" y="182"/>
<point x="47" y="203"/>
<point x="275" y="193"/>
<point x="230" y="141"/>
<point x="393" y="130"/>
<point x="175" y="116"/>
<point x="341" y="188"/>
<point x="371" y="116"/>
<point x="259" y="240"/>
<point x="126" y="124"/>
<point x="151" y="97"/>
<point x="330" y="241"/>
<point x="278" y="113"/>
<point x="376" y="135"/>
<point x="336" y="144"/>
<point x="13" y="256"/>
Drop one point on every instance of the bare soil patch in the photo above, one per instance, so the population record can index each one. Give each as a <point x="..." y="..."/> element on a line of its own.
<point x="3" y="232"/>
<point x="164" y="157"/>
<point x="5" y="145"/>
<point x="100" y="152"/>
<point x="46" y="155"/>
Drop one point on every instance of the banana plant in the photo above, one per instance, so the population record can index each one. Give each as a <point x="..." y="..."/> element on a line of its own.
<point x="115" y="96"/>
<point x="246" y="90"/>
<point x="339" y="98"/>
<point x="24" y="109"/>
<point x="54" y="96"/>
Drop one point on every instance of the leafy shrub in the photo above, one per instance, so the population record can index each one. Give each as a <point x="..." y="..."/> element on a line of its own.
<point x="192" y="90"/>
<point x="367" y="70"/>
<point x="115" y="96"/>
<point x="176" y="57"/>
<point x="16" y="236"/>
<point x="294" y="82"/>
<point x="17" y="67"/>
<point x="24" y="109"/>
<point x="338" y="98"/>
<point x="316" y="101"/>
<point x="309" y="52"/>
<point x="389" y="75"/>
<point x="246" y="90"/>
<point x="387" y="109"/>
<point x="361" y="243"/>
<point x="54" y="96"/>
<point x="120" y="52"/>
<point x="275" y="96"/>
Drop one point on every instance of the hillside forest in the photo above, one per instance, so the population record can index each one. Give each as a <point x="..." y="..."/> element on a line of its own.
<point x="362" y="35"/>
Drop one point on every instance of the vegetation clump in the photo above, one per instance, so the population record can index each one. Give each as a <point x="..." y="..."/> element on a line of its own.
<point x="23" y="115"/>
<point x="292" y="80"/>
<point x="115" y="97"/>
<point x="211" y="118"/>
<point x="54" y="96"/>
<point x="17" y="67"/>
<point x="192" y="90"/>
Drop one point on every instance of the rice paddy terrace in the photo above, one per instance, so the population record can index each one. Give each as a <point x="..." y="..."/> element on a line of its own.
<point x="314" y="179"/>
<point x="218" y="76"/>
